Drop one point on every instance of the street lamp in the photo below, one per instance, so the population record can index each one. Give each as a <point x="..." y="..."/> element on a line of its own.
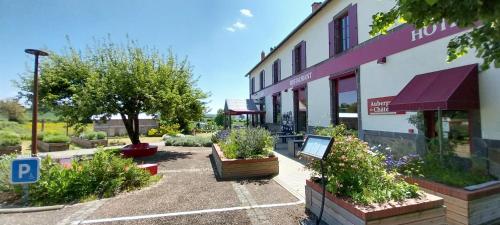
<point x="35" y="98"/>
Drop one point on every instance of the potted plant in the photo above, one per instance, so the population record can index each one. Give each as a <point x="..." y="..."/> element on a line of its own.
<point x="91" y="139"/>
<point x="10" y="142"/>
<point x="244" y="153"/>
<point x="52" y="141"/>
<point x="361" y="191"/>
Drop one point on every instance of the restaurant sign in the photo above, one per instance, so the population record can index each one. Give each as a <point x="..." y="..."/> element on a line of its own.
<point x="380" y="106"/>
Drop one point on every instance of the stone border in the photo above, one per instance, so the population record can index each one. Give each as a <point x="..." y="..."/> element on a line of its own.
<point x="52" y="147"/>
<point x="10" y="149"/>
<point x="30" y="209"/>
<point x="377" y="211"/>
<point x="89" y="143"/>
<point x="243" y="168"/>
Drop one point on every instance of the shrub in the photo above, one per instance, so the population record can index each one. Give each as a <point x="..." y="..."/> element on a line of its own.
<point x="188" y="141"/>
<point x="101" y="135"/>
<point x="55" y="138"/>
<point x="220" y="136"/>
<point x="5" y="164"/>
<point x="105" y="175"/>
<point x="93" y="135"/>
<point x="353" y="171"/>
<point x="9" y="139"/>
<point x="248" y="143"/>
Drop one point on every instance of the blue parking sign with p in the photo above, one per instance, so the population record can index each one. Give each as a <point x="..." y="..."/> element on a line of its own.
<point x="25" y="170"/>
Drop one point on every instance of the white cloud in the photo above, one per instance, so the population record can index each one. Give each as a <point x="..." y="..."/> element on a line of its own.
<point x="246" y="12"/>
<point x="230" y="29"/>
<point x="239" y="25"/>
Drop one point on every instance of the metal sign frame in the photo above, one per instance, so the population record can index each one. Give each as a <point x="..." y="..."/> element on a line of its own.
<point x="327" y="150"/>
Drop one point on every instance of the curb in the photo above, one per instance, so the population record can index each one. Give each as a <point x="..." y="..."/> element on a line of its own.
<point x="30" y="209"/>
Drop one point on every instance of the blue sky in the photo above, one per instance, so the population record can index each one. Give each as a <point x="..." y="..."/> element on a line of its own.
<point x="222" y="39"/>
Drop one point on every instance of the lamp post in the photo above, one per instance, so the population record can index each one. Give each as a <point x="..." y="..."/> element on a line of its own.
<point x="37" y="53"/>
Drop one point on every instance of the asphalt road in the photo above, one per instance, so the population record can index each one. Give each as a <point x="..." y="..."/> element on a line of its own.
<point x="189" y="193"/>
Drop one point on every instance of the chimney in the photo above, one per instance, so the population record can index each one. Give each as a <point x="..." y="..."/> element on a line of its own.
<point x="315" y="6"/>
<point x="262" y="55"/>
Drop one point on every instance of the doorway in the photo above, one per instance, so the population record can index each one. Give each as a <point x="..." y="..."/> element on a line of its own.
<point x="300" y="109"/>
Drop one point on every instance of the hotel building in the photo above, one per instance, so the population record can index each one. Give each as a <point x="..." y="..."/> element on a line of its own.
<point x="389" y="88"/>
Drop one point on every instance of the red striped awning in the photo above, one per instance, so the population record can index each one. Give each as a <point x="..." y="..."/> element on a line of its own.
<point x="451" y="89"/>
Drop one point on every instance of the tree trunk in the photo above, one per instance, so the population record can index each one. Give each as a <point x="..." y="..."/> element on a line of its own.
<point x="132" y="126"/>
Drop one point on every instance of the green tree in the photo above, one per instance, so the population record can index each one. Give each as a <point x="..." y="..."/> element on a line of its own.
<point x="119" y="79"/>
<point x="219" y="118"/>
<point x="13" y="110"/>
<point x="482" y="15"/>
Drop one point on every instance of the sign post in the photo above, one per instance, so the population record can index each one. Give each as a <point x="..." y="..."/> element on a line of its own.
<point x="25" y="171"/>
<point x="318" y="147"/>
<point x="34" y="124"/>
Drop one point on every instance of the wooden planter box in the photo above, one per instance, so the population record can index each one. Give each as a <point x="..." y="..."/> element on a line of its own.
<point x="89" y="143"/>
<point x="465" y="207"/>
<point x="10" y="149"/>
<point x="51" y="147"/>
<point x="243" y="168"/>
<point x="428" y="209"/>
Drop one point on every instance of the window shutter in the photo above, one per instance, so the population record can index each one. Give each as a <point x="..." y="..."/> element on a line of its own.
<point x="337" y="40"/>
<point x="302" y="55"/>
<point x="279" y="69"/>
<point x="293" y="61"/>
<point x="331" y="38"/>
<point x="353" y="25"/>
<point x="263" y="79"/>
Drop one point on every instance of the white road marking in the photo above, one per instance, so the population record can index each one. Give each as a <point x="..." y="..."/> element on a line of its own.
<point x="125" y="218"/>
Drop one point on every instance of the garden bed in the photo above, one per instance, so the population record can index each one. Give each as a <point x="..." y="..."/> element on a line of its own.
<point x="89" y="143"/>
<point x="463" y="206"/>
<point x="243" y="168"/>
<point x="52" y="147"/>
<point x="428" y="209"/>
<point x="139" y="150"/>
<point x="5" y="150"/>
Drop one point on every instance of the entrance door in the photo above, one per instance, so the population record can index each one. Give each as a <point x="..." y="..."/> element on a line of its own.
<point x="300" y="109"/>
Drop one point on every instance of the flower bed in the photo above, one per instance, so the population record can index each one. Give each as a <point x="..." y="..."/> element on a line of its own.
<point x="89" y="143"/>
<point x="105" y="175"/>
<point x="244" y="153"/>
<point x="188" y="141"/>
<point x="362" y="190"/>
<point x="463" y="206"/>
<point x="428" y="209"/>
<point x="243" y="168"/>
<point x="91" y="139"/>
<point x="10" y="142"/>
<point x="139" y="150"/>
<point x="446" y="176"/>
<point x="52" y="142"/>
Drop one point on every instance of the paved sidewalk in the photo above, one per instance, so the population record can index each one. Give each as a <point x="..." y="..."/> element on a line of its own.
<point x="188" y="193"/>
<point x="293" y="174"/>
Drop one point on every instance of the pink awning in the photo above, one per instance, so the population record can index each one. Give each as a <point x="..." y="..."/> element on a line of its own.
<point x="451" y="89"/>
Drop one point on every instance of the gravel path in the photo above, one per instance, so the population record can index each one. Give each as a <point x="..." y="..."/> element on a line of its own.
<point x="189" y="193"/>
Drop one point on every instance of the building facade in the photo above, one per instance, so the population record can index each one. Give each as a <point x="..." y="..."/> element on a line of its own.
<point x="329" y="70"/>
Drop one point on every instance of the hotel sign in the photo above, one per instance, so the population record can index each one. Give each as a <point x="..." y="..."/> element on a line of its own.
<point x="418" y="34"/>
<point x="380" y="106"/>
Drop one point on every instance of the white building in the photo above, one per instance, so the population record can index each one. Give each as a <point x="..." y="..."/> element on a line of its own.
<point x="329" y="70"/>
